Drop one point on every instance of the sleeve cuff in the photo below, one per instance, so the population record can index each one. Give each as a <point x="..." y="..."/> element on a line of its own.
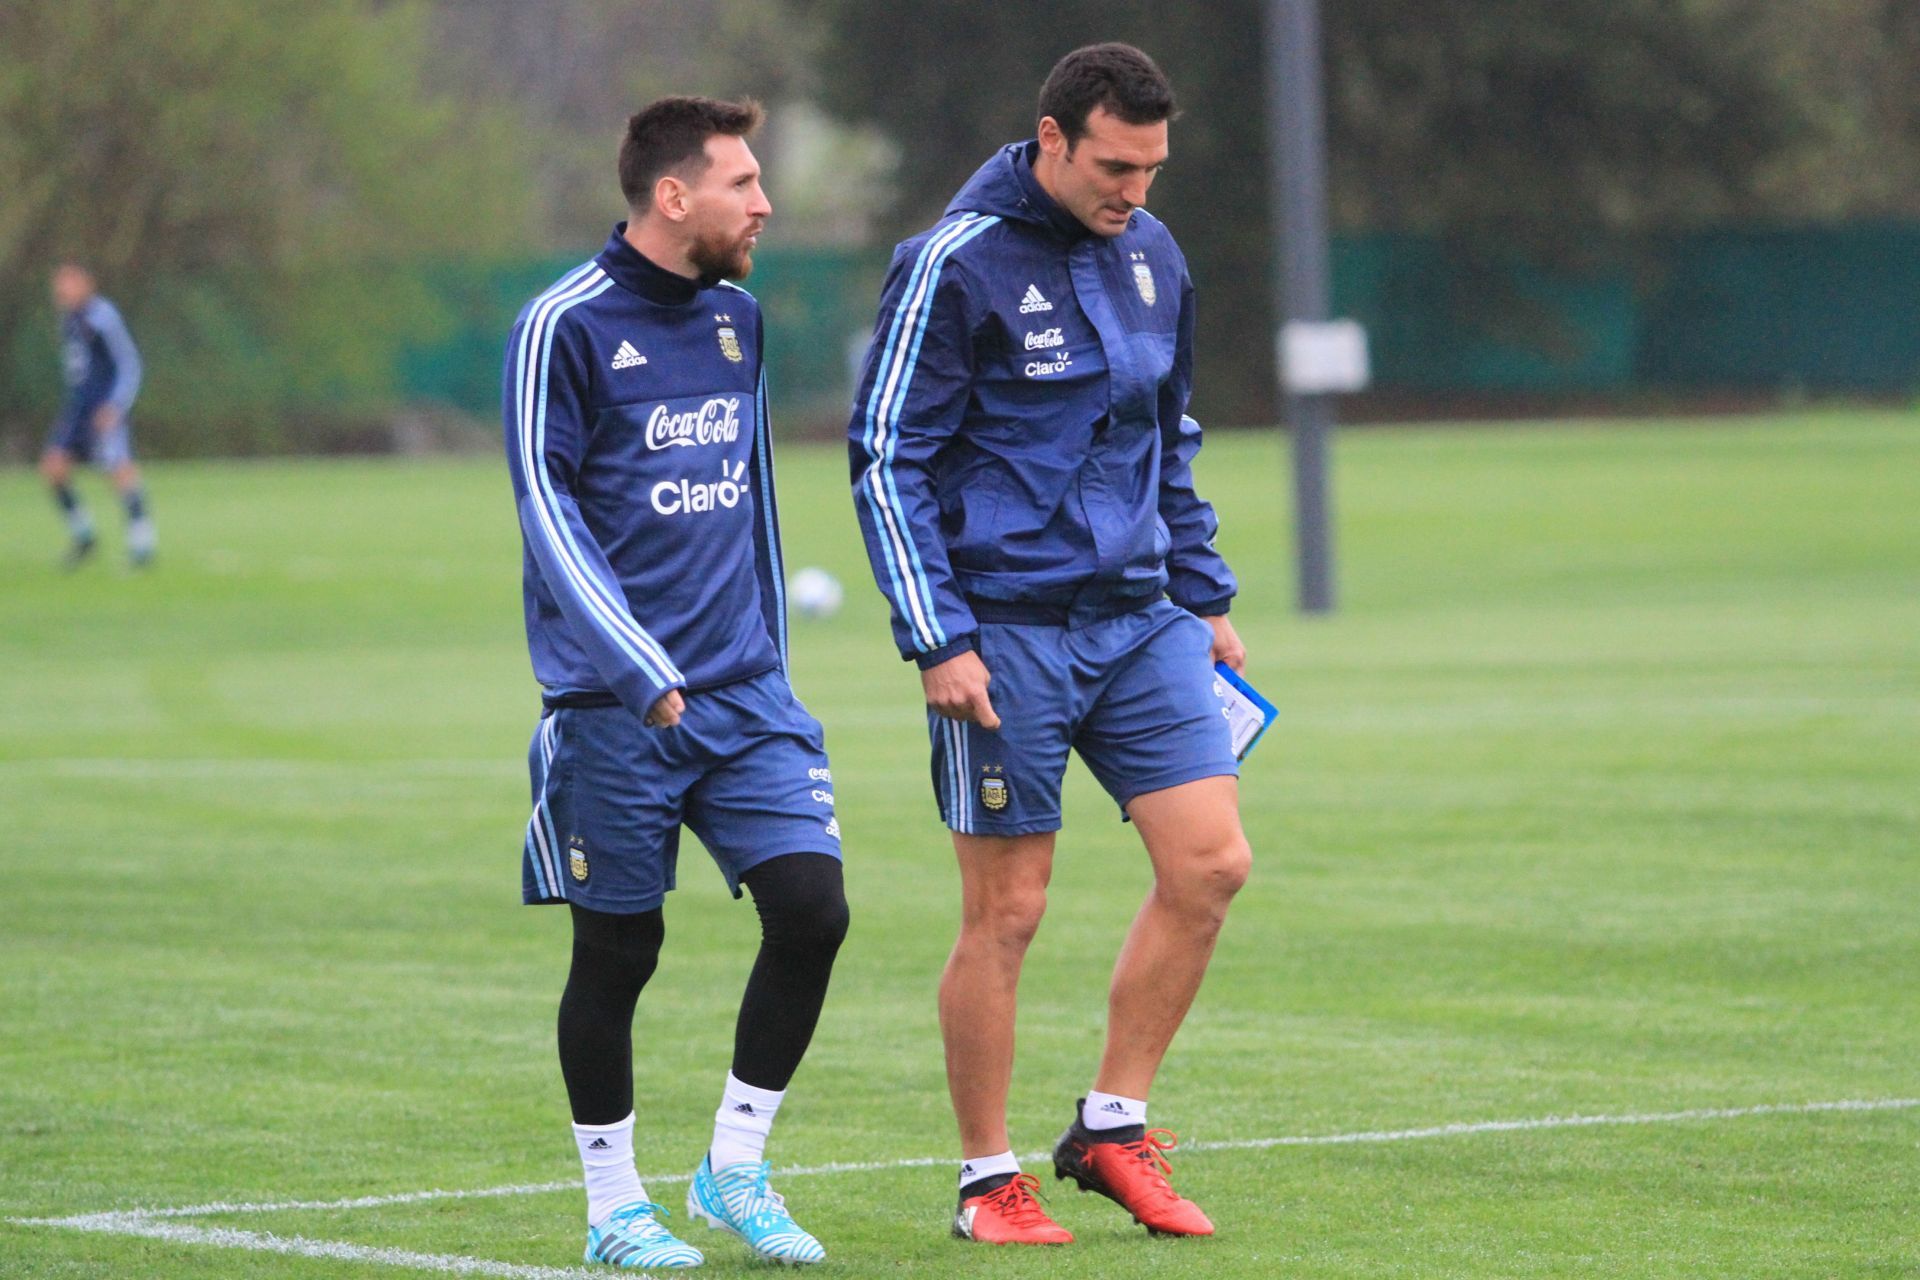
<point x="952" y="649"/>
<point x="1209" y="608"/>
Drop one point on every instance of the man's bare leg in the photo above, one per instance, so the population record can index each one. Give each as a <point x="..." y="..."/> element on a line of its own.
<point x="1200" y="859"/>
<point x="1003" y="894"/>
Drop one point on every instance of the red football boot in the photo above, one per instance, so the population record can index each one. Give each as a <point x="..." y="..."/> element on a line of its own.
<point x="1009" y="1215"/>
<point x="1128" y="1167"/>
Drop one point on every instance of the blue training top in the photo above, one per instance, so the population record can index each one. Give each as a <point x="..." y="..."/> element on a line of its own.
<point x="1020" y="438"/>
<point x="642" y="464"/>
<point x="102" y="364"/>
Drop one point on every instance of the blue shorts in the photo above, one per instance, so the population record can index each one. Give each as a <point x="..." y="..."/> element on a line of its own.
<point x="1133" y="695"/>
<point x="107" y="450"/>
<point x="746" y="769"/>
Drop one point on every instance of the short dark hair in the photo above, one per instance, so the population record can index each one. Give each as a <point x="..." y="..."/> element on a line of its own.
<point x="672" y="134"/>
<point x="1116" y="76"/>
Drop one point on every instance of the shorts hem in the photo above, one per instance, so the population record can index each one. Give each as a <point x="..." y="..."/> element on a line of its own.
<point x="1175" y="778"/>
<point x="1034" y="828"/>
<point x="623" y="907"/>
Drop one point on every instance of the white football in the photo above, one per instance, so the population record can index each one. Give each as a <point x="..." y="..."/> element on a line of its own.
<point x="815" y="592"/>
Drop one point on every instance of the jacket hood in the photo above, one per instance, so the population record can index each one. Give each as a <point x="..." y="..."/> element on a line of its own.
<point x="1005" y="187"/>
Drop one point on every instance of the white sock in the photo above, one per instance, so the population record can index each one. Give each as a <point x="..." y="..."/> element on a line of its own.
<point x="1111" y="1111"/>
<point x="741" y="1125"/>
<point x="79" y="523"/>
<point x="141" y="538"/>
<point x="606" y="1155"/>
<point x="974" y="1168"/>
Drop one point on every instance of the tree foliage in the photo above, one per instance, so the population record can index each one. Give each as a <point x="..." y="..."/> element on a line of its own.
<point x="1543" y="125"/>
<point x="244" y="176"/>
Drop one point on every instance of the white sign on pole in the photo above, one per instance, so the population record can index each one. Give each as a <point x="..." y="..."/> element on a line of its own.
<point x="1324" y="357"/>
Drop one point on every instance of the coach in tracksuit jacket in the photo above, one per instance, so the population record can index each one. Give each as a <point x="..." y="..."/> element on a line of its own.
<point x="642" y="465"/>
<point x="1021" y="464"/>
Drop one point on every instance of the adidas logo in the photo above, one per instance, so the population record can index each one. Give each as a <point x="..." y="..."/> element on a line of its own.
<point x="1114" y="1108"/>
<point x="1033" y="300"/>
<point x="966" y="1171"/>
<point x="599" y="1144"/>
<point x="626" y="357"/>
<point x="745" y="1109"/>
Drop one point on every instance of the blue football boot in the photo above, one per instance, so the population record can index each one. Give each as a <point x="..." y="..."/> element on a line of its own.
<point x="633" y="1237"/>
<point x="738" y="1199"/>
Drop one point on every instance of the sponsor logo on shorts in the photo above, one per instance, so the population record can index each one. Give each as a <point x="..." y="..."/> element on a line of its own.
<point x="577" y="859"/>
<point x="993" y="788"/>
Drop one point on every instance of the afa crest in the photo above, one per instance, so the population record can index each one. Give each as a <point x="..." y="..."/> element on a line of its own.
<point x="993" y="788"/>
<point x="577" y="859"/>
<point x="1143" y="281"/>
<point x="730" y="344"/>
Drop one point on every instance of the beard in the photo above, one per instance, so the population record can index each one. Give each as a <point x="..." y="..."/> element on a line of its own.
<point x="719" y="258"/>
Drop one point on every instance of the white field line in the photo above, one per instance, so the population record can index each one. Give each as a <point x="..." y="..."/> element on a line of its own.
<point x="153" y="1224"/>
<point x="145" y="1226"/>
<point x="218" y="768"/>
<point x="921" y="1162"/>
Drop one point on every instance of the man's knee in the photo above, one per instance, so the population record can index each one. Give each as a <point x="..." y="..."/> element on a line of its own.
<point x="802" y="902"/>
<point x="1009" y="916"/>
<point x="620" y="948"/>
<point x="1207" y="879"/>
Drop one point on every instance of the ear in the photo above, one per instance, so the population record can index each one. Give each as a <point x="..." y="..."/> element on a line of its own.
<point x="670" y="198"/>
<point x="1053" y="140"/>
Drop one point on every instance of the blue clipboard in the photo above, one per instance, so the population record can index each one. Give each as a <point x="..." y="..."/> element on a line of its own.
<point x="1249" y="715"/>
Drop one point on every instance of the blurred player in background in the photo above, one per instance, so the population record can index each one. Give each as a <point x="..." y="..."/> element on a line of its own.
<point x="1021" y="463"/>
<point x="636" y="431"/>
<point x="103" y="377"/>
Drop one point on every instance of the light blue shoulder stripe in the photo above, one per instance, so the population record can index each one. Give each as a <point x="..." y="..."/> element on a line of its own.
<point x="536" y="346"/>
<point x="892" y="435"/>
<point x="764" y="440"/>
<point x="893" y="375"/>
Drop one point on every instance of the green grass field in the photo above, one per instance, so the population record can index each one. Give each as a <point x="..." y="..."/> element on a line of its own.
<point x="1599" y="797"/>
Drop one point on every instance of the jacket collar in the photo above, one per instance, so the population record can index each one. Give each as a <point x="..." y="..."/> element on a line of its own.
<point x="1005" y="186"/>
<point x="636" y="273"/>
<point x="1050" y="210"/>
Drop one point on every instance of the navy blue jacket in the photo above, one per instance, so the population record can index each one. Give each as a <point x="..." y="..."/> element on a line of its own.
<point x="102" y="364"/>
<point x="1020" y="436"/>
<point x="642" y="464"/>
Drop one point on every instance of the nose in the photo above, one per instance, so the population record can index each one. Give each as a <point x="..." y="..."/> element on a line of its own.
<point x="760" y="207"/>
<point x="1135" y="190"/>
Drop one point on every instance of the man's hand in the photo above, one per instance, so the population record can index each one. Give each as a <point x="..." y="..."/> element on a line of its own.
<point x="666" y="712"/>
<point x="1226" y="644"/>
<point x="106" y="418"/>
<point x="957" y="689"/>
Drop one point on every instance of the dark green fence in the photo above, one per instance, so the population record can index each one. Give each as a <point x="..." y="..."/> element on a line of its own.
<point x="1823" y="309"/>
<point x="1753" y="312"/>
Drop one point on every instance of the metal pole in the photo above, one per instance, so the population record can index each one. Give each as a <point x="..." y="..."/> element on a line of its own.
<point x="1298" y="163"/>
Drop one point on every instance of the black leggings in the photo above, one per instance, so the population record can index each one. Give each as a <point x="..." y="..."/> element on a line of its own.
<point x="803" y="919"/>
